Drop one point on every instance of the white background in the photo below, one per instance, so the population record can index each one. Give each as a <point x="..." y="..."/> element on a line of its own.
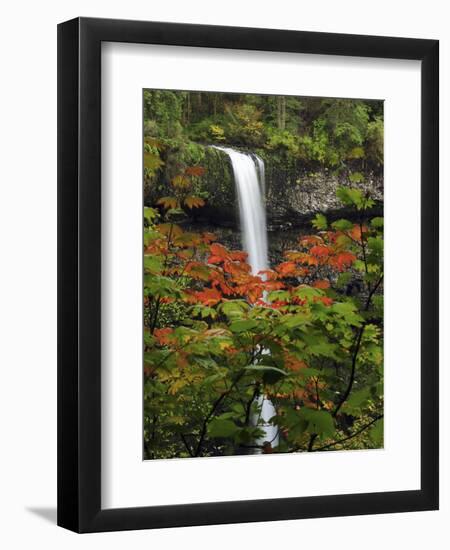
<point x="126" y="479"/>
<point x="28" y="287"/>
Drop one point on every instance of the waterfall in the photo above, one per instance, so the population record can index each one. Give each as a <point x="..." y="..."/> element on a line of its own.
<point x="249" y="177"/>
<point x="261" y="173"/>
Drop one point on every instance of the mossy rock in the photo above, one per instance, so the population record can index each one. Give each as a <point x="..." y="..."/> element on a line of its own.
<point x="218" y="184"/>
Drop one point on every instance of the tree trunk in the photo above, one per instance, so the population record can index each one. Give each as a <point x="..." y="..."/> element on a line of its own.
<point x="188" y="108"/>
<point x="281" y="112"/>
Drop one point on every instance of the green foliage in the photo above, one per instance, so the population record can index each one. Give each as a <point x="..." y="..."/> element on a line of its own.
<point x="221" y="427"/>
<point x="217" y="132"/>
<point x="376" y="433"/>
<point x="315" y="146"/>
<point x="342" y="225"/>
<point x="320" y="222"/>
<point x="318" y="422"/>
<point x="283" y="141"/>
<point x="165" y="109"/>
<point x="375" y="141"/>
<point x="356" y="177"/>
<point x="354" y="197"/>
<point x="245" y="126"/>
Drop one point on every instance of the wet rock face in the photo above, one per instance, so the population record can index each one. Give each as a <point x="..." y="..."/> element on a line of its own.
<point x="218" y="183"/>
<point x="218" y="180"/>
<point x="299" y="194"/>
<point x="293" y="194"/>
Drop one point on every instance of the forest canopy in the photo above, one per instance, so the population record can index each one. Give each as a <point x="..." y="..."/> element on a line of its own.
<point x="321" y="132"/>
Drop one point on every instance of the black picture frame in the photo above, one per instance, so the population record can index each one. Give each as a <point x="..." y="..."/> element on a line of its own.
<point x="79" y="274"/>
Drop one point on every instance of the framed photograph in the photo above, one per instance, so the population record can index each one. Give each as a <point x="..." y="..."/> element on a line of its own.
<point x="248" y="275"/>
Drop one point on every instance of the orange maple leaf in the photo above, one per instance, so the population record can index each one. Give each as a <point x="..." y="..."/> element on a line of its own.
<point x="163" y="335"/>
<point x="195" y="171"/>
<point x="218" y="254"/>
<point x="194" y="202"/>
<point x="209" y="296"/>
<point x="208" y="237"/>
<point x="343" y="260"/>
<point x="310" y="239"/>
<point x="168" y="202"/>
<point x="320" y="251"/>
<point x="356" y="233"/>
<point x="294" y="364"/>
<point x="238" y="255"/>
<point x="286" y="268"/>
<point x="322" y="283"/>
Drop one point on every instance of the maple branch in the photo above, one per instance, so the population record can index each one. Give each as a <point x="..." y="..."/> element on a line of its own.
<point x="170" y="354"/>
<point x="186" y="444"/>
<point x="214" y="407"/>
<point x="360" y="430"/>
<point x="248" y="406"/>
<point x="155" y="315"/>
<point x="148" y="450"/>
<point x="158" y="300"/>
<point x="311" y="442"/>
<point x="363" y="246"/>
<point x="356" y="351"/>
<point x="372" y="292"/>
<point x="316" y="383"/>
<point x="353" y="371"/>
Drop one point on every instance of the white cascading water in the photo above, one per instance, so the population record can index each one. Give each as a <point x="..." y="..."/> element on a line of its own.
<point x="249" y="177"/>
<point x="262" y="174"/>
<point x="252" y="211"/>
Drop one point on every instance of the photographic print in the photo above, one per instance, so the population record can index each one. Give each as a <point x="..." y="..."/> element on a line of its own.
<point x="263" y="274"/>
